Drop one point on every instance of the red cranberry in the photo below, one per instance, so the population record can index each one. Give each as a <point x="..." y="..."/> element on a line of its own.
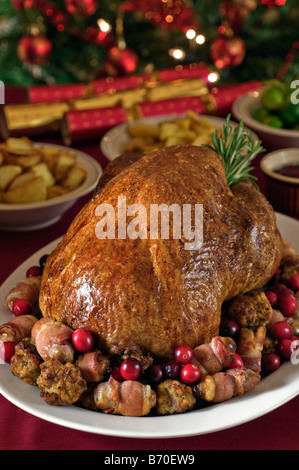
<point x="7" y="350"/>
<point x="287" y="305"/>
<point x="21" y="307"/>
<point x="293" y="282"/>
<point x="82" y="340"/>
<point x="278" y="287"/>
<point x="183" y="354"/>
<point x="34" y="271"/>
<point x="116" y="373"/>
<point x="130" y="369"/>
<point x="270" y="362"/>
<point x="284" y="348"/>
<point x="282" y="292"/>
<point x="172" y="369"/>
<point x="229" y="328"/>
<point x="272" y="297"/>
<point x="238" y="362"/>
<point x="281" y="330"/>
<point x="155" y="373"/>
<point x="190" y="374"/>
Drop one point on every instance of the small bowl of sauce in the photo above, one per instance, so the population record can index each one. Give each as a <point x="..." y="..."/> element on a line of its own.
<point x="292" y="171"/>
<point x="281" y="170"/>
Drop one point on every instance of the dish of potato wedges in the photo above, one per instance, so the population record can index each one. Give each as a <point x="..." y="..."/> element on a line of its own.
<point x="33" y="173"/>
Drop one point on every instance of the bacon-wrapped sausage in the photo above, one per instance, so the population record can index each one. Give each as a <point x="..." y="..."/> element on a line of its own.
<point x="128" y="398"/>
<point x="93" y="366"/>
<point x="27" y="289"/>
<point x="17" y="329"/>
<point x="51" y="339"/>
<point x="216" y="355"/>
<point x="223" y="386"/>
<point x="250" y="347"/>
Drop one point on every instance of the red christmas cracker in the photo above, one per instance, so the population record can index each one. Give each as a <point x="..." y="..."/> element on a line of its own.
<point x="220" y="99"/>
<point x="56" y="93"/>
<point x="89" y="125"/>
<point x="112" y="85"/>
<point x="180" y="72"/>
<point x="170" y="107"/>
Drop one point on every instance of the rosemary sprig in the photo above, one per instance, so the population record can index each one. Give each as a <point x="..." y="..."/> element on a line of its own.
<point x="236" y="147"/>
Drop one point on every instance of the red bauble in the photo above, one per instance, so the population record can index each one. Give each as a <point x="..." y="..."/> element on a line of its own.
<point x="81" y="7"/>
<point x="34" y="49"/>
<point x="227" y="52"/>
<point x="21" y="4"/>
<point x="120" y="61"/>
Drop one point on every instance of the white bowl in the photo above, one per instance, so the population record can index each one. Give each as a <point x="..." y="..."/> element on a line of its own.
<point x="32" y="216"/>
<point x="116" y="139"/>
<point x="282" y="191"/>
<point x="271" y="137"/>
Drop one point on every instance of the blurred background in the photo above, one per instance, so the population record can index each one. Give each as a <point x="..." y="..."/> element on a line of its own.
<point x="68" y="41"/>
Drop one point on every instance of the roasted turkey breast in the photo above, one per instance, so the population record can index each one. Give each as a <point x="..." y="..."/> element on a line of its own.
<point x="154" y="292"/>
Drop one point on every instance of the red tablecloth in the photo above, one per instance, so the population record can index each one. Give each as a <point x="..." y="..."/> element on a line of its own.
<point x="21" y="431"/>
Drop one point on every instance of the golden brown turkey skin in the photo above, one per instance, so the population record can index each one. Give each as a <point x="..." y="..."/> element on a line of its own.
<point x="155" y="293"/>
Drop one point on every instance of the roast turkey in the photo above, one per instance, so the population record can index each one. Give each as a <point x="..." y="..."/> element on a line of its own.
<point x="155" y="293"/>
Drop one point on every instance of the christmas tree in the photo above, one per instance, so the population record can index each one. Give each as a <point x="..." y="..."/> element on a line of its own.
<point x="67" y="41"/>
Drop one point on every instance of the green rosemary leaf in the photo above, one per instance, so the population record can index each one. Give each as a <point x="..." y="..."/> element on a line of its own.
<point x="236" y="147"/>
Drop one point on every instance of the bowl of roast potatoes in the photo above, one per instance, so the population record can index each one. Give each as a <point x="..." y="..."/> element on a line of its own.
<point x="39" y="182"/>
